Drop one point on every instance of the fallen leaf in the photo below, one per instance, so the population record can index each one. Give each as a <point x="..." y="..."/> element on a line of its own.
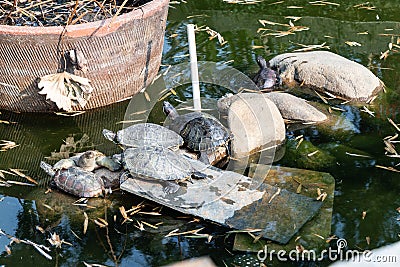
<point x="65" y="89"/>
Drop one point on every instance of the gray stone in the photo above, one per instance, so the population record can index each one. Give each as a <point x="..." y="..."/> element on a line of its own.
<point x="254" y="121"/>
<point x="326" y="71"/>
<point x="295" y="108"/>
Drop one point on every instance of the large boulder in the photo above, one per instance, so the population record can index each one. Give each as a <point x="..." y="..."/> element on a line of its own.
<point x="326" y="71"/>
<point x="294" y="108"/>
<point x="254" y="121"/>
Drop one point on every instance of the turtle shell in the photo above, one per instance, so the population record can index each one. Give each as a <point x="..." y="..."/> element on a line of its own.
<point x="200" y="131"/>
<point x="148" y="134"/>
<point x="78" y="182"/>
<point x="156" y="163"/>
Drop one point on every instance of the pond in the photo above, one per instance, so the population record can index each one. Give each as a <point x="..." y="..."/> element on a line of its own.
<point x="368" y="28"/>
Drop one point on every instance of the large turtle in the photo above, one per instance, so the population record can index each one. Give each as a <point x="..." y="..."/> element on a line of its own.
<point x="266" y="78"/>
<point x="159" y="164"/>
<point x="145" y="134"/>
<point x="75" y="180"/>
<point x="201" y="132"/>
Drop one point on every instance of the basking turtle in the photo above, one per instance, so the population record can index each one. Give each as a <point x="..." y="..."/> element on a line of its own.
<point x="145" y="134"/>
<point x="201" y="132"/>
<point x="75" y="180"/>
<point x="88" y="161"/>
<point x="159" y="164"/>
<point x="266" y="78"/>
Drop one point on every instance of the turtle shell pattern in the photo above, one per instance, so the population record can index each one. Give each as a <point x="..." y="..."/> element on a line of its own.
<point x="78" y="182"/>
<point x="202" y="132"/>
<point x="148" y="134"/>
<point x="156" y="163"/>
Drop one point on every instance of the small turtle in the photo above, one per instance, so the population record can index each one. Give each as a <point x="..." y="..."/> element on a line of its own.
<point x="159" y="164"/>
<point x="266" y="78"/>
<point x="75" y="181"/>
<point x="201" y="132"/>
<point x="145" y="134"/>
<point x="88" y="161"/>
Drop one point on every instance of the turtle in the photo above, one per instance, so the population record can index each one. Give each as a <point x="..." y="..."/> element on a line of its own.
<point x="75" y="180"/>
<point x="160" y="164"/>
<point x="89" y="161"/>
<point x="201" y="132"/>
<point x="145" y="134"/>
<point x="266" y="78"/>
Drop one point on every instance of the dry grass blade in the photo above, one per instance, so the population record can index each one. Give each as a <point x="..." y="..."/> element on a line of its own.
<point x="6" y="145"/>
<point x="39" y="248"/>
<point x="150" y="225"/>
<point x="19" y="173"/>
<point x="366" y="110"/>
<point x="323" y="3"/>
<point x="274" y="195"/>
<point x="319" y="236"/>
<point x="322" y="98"/>
<point x="85" y="223"/>
<point x="18" y="183"/>
<point x="101" y="222"/>
<point x="149" y="213"/>
<point x="175" y="232"/>
<point x="351" y="43"/>
<point x="394" y="124"/>
<point x="387" y="168"/>
<point x="312" y="153"/>
<point x="357" y="155"/>
<point x="311" y="47"/>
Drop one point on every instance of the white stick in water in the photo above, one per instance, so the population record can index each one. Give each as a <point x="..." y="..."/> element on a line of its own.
<point x="193" y="67"/>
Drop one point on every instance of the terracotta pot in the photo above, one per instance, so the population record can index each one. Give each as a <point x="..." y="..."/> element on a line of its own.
<point x="123" y="57"/>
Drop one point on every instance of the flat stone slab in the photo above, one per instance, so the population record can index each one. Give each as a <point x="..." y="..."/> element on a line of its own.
<point x="294" y="108"/>
<point x="234" y="200"/>
<point x="312" y="236"/>
<point x="326" y="71"/>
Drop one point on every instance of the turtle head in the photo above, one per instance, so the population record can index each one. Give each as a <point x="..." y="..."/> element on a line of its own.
<point x="109" y="135"/>
<point x="169" y="110"/>
<point x="262" y="63"/>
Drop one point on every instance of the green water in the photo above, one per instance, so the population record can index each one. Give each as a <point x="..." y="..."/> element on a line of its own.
<point x="360" y="186"/>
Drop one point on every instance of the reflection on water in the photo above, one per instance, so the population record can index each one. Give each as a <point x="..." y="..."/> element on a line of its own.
<point x="360" y="186"/>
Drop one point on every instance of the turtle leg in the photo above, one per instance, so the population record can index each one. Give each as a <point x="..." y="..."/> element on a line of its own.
<point x="124" y="176"/>
<point x="170" y="187"/>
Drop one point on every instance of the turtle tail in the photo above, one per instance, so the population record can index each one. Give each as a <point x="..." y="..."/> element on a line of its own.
<point x="47" y="168"/>
<point x="109" y="135"/>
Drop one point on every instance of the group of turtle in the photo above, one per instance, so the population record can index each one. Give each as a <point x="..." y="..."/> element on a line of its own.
<point x="149" y="152"/>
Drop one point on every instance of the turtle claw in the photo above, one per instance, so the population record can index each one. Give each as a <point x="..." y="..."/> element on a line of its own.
<point x="199" y="175"/>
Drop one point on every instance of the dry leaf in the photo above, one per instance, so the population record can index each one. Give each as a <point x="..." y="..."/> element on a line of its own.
<point x="65" y="89"/>
<point x="85" y="223"/>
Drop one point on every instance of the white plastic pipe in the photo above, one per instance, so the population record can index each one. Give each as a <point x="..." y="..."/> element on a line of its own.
<point x="194" y="73"/>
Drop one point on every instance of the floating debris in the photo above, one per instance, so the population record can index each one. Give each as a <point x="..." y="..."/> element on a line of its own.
<point x="55" y="240"/>
<point x="19" y="173"/>
<point x="6" y="145"/>
<point x="351" y="43"/>
<point x="387" y="168"/>
<point x="311" y="47"/>
<point x="366" y="110"/>
<point x="213" y="34"/>
<point x="394" y="124"/>
<point x="364" y="213"/>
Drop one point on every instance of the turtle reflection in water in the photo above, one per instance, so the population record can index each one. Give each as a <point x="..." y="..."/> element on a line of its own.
<point x="201" y="132"/>
<point x="160" y="164"/>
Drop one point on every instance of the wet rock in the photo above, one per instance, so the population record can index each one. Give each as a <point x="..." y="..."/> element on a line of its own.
<point x="295" y="108"/>
<point x="307" y="156"/>
<point x="254" y="121"/>
<point x="326" y="71"/>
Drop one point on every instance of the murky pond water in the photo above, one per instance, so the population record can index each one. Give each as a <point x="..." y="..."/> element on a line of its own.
<point x="360" y="186"/>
